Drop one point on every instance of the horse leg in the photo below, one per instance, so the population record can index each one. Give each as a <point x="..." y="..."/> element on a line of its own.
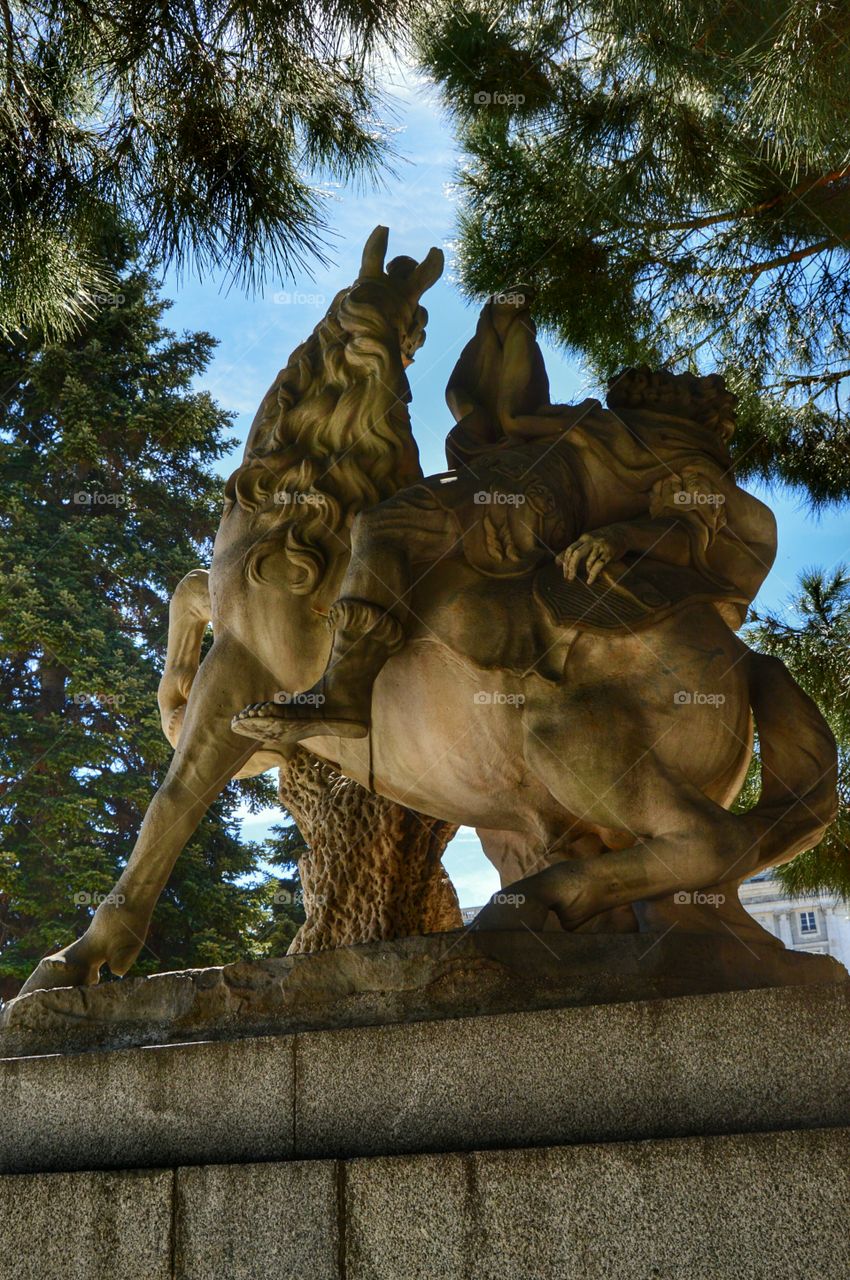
<point x="683" y="841"/>
<point x="517" y="854"/>
<point x="717" y="909"/>
<point x="208" y="755"/>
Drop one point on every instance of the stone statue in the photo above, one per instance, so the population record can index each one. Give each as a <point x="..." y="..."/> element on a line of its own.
<point x="539" y="643"/>
<point x="532" y="481"/>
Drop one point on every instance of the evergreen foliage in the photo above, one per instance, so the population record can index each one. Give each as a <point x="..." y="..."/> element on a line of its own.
<point x="209" y="124"/>
<point x="674" y="179"/>
<point x="281" y="896"/>
<point x="815" y="646"/>
<point x="108" y="499"/>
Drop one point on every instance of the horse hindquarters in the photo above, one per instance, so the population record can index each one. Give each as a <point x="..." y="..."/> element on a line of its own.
<point x="648" y="768"/>
<point x="799" y="764"/>
<point x="645" y="726"/>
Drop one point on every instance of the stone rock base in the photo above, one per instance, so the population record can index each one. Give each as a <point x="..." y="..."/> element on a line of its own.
<point x="745" y="1207"/>
<point x="442" y="975"/>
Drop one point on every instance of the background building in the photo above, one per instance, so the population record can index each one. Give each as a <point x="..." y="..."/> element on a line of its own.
<point x="814" y="922"/>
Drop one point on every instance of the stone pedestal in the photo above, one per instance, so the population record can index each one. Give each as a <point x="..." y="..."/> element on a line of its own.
<point x="699" y="1135"/>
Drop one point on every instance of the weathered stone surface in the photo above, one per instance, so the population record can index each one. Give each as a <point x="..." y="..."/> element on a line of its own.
<point x="744" y="1206"/>
<point x="446" y="975"/>
<point x="409" y="1216"/>
<point x="244" y="1222"/>
<point x="154" y="1106"/>
<point x="738" y="1207"/>
<point x="740" y="1061"/>
<point x="734" y="1062"/>
<point x="86" y="1226"/>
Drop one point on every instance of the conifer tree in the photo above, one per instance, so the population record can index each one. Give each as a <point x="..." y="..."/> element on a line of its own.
<point x="813" y="640"/>
<point x="107" y="498"/>
<point x="281" y="896"/>
<point x="212" y="125"/>
<point x="674" y="178"/>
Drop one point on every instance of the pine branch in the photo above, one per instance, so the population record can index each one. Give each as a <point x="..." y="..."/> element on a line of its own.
<point x="671" y="205"/>
<point x="205" y="125"/>
<point x="807" y="380"/>
<point x="772" y="264"/>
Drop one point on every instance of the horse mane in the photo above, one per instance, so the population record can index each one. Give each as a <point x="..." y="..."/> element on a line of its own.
<point x="331" y="437"/>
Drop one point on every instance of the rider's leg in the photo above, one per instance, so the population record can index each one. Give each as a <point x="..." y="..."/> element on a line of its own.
<point x="378" y="570"/>
<point x="367" y="629"/>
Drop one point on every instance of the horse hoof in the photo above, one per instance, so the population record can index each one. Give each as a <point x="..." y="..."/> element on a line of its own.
<point x="59" y="971"/>
<point x="271" y="722"/>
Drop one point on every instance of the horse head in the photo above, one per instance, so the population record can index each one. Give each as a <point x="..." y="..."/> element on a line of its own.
<point x="332" y="434"/>
<point x="383" y="303"/>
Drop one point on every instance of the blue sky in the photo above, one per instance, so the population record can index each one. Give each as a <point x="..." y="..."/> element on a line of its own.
<point x="256" y="335"/>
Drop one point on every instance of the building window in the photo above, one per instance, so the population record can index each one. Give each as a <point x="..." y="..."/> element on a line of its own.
<point x="808" y="924"/>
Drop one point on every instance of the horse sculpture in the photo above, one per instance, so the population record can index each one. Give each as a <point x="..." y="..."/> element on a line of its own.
<point x="596" y="757"/>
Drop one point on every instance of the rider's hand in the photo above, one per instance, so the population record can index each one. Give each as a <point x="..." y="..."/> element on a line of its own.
<point x="595" y="550"/>
<point x="692" y="495"/>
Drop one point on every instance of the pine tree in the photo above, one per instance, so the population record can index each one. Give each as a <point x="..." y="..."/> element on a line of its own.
<point x="211" y="125"/>
<point x="108" y="498"/>
<point x="281" y="896"/>
<point x="674" y="180"/>
<point x="814" y="643"/>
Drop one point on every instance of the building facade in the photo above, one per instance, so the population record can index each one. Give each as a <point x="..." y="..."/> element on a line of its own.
<point x="814" y="922"/>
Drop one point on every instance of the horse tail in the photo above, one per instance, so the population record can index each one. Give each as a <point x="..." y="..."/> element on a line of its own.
<point x="799" y="764"/>
<point x="189" y="615"/>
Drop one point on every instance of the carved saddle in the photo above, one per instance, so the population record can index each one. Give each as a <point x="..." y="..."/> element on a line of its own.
<point x="624" y="596"/>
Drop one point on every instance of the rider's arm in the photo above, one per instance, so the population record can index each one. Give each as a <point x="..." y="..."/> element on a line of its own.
<point x="548" y="420"/>
<point x="523" y="405"/>
<point x="663" y="538"/>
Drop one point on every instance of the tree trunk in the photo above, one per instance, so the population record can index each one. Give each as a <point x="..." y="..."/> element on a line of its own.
<point x="374" y="868"/>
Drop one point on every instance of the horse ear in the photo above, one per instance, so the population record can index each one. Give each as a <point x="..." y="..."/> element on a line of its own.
<point x="374" y="252"/>
<point x="427" y="273"/>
